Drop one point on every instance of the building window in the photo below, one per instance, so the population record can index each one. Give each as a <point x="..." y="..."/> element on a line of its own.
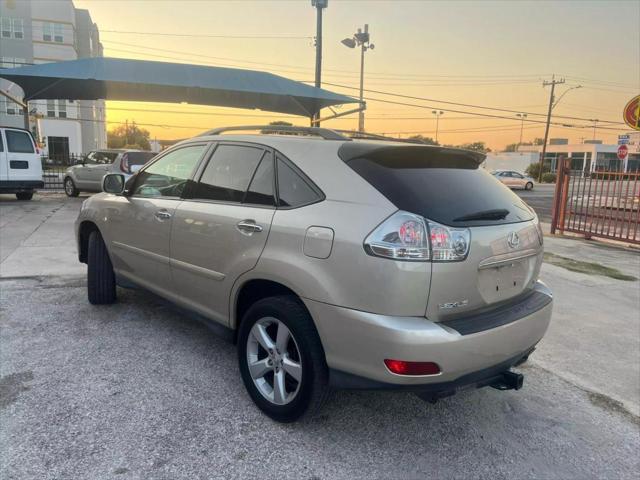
<point x="18" y="28"/>
<point x="9" y="62"/>
<point x="5" y="26"/>
<point x="47" y="32"/>
<point x="57" y="33"/>
<point x="62" y="108"/>
<point x="11" y="108"/>
<point x="51" y="108"/>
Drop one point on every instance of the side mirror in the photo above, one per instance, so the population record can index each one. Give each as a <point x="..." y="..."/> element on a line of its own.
<point x="113" y="183"/>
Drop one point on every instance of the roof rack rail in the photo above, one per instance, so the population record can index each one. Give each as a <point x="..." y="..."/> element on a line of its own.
<point x="324" y="133"/>
<point x="374" y="136"/>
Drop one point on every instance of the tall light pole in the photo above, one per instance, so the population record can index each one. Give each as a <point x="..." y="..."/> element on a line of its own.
<point x="522" y="116"/>
<point x="361" y="39"/>
<point x="319" y="5"/>
<point x="438" y="114"/>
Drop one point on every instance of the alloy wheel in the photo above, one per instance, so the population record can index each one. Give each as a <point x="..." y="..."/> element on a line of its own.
<point x="274" y="361"/>
<point x="68" y="187"/>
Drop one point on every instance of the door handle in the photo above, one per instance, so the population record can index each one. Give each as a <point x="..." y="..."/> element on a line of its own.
<point x="162" y="215"/>
<point x="248" y="227"/>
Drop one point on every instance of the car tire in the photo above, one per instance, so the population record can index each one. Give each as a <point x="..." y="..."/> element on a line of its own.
<point x="70" y="187"/>
<point x="24" y="195"/>
<point x="302" y="397"/>
<point x="528" y="186"/>
<point x="101" y="280"/>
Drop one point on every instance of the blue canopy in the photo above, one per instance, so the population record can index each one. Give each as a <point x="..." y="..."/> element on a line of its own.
<point x="144" y="81"/>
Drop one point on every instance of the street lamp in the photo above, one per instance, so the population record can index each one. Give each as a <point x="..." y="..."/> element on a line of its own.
<point x="361" y="39"/>
<point x="522" y="116"/>
<point x="438" y="114"/>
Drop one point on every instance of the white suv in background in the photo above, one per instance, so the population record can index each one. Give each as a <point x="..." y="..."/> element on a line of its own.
<point x="20" y="166"/>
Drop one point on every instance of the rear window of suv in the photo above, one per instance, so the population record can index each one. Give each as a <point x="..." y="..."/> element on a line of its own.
<point x="443" y="185"/>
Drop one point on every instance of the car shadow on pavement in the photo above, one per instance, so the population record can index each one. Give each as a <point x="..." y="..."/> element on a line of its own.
<point x="140" y="387"/>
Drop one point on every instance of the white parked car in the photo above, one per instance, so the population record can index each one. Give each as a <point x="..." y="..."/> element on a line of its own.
<point x="20" y="166"/>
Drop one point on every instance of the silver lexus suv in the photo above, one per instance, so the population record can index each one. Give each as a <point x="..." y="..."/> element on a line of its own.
<point x="332" y="262"/>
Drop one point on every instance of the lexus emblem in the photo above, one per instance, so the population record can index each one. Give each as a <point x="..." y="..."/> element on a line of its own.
<point x="513" y="240"/>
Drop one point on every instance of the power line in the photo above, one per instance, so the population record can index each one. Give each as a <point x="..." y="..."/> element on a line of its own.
<point x="484" y="107"/>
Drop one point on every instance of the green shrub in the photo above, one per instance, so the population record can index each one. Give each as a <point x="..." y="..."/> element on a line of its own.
<point x="533" y="170"/>
<point x="548" y="177"/>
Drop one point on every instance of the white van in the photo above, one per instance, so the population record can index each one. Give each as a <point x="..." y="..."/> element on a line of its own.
<point x="20" y="167"/>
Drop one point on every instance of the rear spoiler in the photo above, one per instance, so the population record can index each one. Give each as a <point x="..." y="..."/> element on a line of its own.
<point x="412" y="156"/>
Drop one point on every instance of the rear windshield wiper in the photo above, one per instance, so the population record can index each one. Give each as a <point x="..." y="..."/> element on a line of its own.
<point x="498" y="214"/>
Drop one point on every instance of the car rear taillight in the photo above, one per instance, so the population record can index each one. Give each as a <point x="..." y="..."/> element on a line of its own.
<point x="401" y="367"/>
<point x="406" y="236"/>
<point x="124" y="163"/>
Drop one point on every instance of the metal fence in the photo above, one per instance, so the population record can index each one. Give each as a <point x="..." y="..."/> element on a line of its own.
<point x="604" y="204"/>
<point x="54" y="167"/>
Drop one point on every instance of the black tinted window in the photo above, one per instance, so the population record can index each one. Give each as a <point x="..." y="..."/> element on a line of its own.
<point x="19" y="142"/>
<point x="440" y="185"/>
<point x="293" y="190"/>
<point x="139" y="158"/>
<point x="261" y="189"/>
<point x="228" y="173"/>
<point x="168" y="176"/>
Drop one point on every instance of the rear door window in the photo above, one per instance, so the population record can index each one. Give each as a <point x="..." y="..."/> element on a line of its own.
<point x="261" y="189"/>
<point x="228" y="173"/>
<point x="19" y="142"/>
<point x="443" y="185"/>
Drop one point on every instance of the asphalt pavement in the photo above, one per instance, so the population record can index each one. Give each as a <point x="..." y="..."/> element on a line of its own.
<point x="540" y="199"/>
<point x="136" y="390"/>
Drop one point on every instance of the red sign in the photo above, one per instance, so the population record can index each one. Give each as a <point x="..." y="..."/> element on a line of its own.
<point x="623" y="151"/>
<point x="631" y="113"/>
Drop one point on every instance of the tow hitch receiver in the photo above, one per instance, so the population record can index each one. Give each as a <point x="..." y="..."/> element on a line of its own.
<point x="508" y="381"/>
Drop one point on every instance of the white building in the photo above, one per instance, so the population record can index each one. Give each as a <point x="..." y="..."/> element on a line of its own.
<point x="516" y="161"/>
<point x="41" y="31"/>
<point x="591" y="157"/>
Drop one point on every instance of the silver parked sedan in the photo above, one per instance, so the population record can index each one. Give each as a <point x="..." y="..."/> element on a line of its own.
<point x="87" y="175"/>
<point x="330" y="261"/>
<point x="514" y="179"/>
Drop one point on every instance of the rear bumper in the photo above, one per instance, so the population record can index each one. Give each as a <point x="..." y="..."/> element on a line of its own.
<point x="356" y="344"/>
<point x="15" y="186"/>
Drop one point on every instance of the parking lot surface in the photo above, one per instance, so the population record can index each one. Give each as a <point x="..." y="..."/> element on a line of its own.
<point x="137" y="390"/>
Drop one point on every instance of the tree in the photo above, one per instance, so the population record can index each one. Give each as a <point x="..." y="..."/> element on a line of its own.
<point x="475" y="146"/>
<point x="128" y="135"/>
<point x="512" y="147"/>
<point x="538" y="141"/>
<point x="425" y="140"/>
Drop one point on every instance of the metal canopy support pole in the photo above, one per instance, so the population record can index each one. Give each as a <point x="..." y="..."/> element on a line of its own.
<point x="361" y="108"/>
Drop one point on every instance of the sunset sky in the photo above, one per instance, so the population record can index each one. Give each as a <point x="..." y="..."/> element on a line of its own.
<point x="494" y="54"/>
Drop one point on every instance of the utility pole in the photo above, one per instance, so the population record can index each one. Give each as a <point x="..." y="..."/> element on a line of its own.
<point x="319" y="6"/>
<point x="553" y="84"/>
<point x="595" y="125"/>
